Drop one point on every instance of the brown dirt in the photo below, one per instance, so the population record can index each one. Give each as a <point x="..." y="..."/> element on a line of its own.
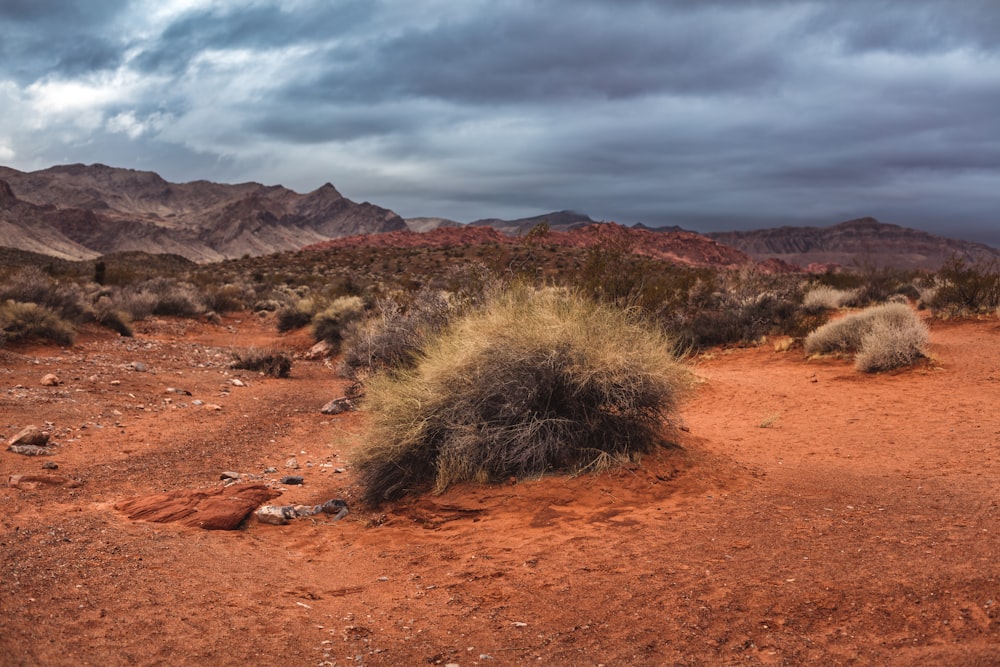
<point x="812" y="515"/>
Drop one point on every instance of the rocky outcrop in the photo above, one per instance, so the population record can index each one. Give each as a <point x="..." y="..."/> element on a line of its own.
<point x="861" y="242"/>
<point x="81" y="212"/>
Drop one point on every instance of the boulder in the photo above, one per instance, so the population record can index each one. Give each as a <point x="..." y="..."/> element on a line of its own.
<point x="29" y="435"/>
<point x="50" y="380"/>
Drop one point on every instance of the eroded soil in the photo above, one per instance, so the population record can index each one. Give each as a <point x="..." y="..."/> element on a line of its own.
<point x="811" y="515"/>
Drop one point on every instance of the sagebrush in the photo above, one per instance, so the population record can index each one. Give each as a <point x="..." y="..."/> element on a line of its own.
<point x="881" y="337"/>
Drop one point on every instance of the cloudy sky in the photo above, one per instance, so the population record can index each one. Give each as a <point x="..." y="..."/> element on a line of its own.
<point x="709" y="114"/>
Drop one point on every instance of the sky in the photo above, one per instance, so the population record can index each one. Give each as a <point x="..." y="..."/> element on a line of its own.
<point x="713" y="115"/>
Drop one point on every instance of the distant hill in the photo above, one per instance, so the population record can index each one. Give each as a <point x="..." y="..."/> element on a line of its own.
<point x="678" y="247"/>
<point x="427" y="224"/>
<point x="861" y="242"/>
<point x="80" y="212"/>
<point x="560" y="221"/>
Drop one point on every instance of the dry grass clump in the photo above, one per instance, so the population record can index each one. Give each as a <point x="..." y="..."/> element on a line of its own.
<point x="534" y="381"/>
<point x="25" y="321"/>
<point x="882" y="337"/>
<point x="275" y="363"/>
<point x="825" y="297"/>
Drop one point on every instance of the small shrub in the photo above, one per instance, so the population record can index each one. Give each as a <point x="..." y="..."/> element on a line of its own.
<point x="392" y="338"/>
<point x="291" y="318"/>
<point x="824" y="297"/>
<point x="271" y="362"/>
<point x="532" y="382"/>
<point x="329" y="324"/>
<point x="227" y="298"/>
<point x="24" y="321"/>
<point x="967" y="288"/>
<point x="112" y="318"/>
<point x="883" y="337"/>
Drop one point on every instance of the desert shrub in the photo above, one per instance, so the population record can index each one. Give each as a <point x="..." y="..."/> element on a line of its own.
<point x="966" y="288"/>
<point x="883" y="337"/>
<point x="292" y="317"/>
<point x="534" y="381"/>
<point x="135" y="303"/>
<point x="824" y="297"/>
<point x="392" y="337"/>
<point x="268" y="361"/>
<point x="227" y="298"/>
<point x="32" y="285"/>
<point x="329" y="324"/>
<point x="892" y="344"/>
<point x="737" y="307"/>
<point x="160" y="296"/>
<point x="107" y="315"/>
<point x="24" y="321"/>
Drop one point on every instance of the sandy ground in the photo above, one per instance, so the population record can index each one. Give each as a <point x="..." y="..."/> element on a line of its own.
<point x="811" y="515"/>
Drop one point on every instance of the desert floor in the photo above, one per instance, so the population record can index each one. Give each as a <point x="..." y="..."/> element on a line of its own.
<point x="810" y="515"/>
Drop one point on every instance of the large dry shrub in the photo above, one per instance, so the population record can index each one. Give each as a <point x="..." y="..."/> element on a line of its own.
<point x="882" y="337"/>
<point x="533" y="381"/>
<point x="825" y="297"/>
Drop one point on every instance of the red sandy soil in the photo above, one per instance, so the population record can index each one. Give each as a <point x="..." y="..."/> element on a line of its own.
<point x="812" y="515"/>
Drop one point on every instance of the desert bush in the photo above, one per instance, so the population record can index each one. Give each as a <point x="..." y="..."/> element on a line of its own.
<point x="32" y="285"/>
<point x="534" y="381"/>
<point x="329" y="324"/>
<point x="24" y="321"/>
<point x="824" y="297"/>
<point x="882" y="337"/>
<point x="116" y="319"/>
<point x="966" y="288"/>
<point x="737" y="307"/>
<point x="292" y="317"/>
<point x="392" y="337"/>
<point x="227" y="298"/>
<point x="268" y="361"/>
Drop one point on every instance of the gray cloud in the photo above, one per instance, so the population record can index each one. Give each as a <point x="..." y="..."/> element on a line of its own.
<point x="709" y="114"/>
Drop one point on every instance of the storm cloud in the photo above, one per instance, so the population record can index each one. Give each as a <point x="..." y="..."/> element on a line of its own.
<point x="709" y="115"/>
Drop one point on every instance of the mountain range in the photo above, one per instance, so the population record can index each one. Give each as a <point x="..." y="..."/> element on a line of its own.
<point x="85" y="211"/>
<point x="81" y="212"/>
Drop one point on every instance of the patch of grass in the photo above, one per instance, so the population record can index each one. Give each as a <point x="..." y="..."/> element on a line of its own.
<point x="824" y="297"/>
<point x="534" y="381"/>
<point x="276" y="363"/>
<point x="882" y="337"/>
<point x="26" y="321"/>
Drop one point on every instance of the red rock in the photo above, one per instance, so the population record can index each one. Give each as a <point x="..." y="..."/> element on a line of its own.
<point x="222" y="508"/>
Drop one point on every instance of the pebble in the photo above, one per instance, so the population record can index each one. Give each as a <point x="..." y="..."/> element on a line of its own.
<point x="337" y="406"/>
<point x="292" y="463"/>
<point x="236" y="382"/>
<point x="50" y="380"/>
<point x="50" y="465"/>
<point x="292" y="479"/>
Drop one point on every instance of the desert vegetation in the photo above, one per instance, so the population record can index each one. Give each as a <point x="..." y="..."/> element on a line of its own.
<point x="881" y="337"/>
<point x="536" y="379"/>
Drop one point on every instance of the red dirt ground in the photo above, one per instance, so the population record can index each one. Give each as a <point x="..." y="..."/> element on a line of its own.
<point x="812" y="515"/>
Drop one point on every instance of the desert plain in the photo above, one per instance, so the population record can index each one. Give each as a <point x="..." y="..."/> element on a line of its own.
<point x="808" y="514"/>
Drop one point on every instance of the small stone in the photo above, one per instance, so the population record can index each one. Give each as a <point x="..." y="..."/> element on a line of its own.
<point x="139" y="367"/>
<point x="292" y="463"/>
<point x="236" y="382"/>
<point x="213" y="406"/>
<point x="270" y="470"/>
<point x="50" y="465"/>
<point x="229" y="474"/>
<point x="50" y="380"/>
<point x="197" y="402"/>
<point x="337" y="406"/>
<point x="292" y="479"/>
<point x="115" y="383"/>
<point x="175" y="390"/>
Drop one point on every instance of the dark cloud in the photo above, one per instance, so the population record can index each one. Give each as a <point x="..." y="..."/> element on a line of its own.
<point x="709" y="114"/>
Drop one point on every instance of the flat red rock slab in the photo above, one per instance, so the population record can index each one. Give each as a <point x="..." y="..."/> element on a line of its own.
<point x="224" y="508"/>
